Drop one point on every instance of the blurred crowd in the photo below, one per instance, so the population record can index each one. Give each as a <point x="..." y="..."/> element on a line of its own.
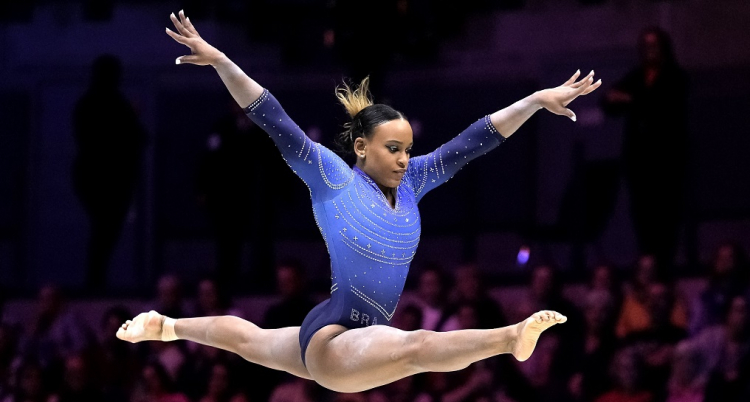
<point x="633" y="334"/>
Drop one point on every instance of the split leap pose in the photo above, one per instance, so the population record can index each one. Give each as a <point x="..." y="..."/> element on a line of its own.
<point x="369" y="220"/>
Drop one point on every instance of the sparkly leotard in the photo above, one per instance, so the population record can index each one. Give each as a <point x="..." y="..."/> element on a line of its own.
<point x="370" y="243"/>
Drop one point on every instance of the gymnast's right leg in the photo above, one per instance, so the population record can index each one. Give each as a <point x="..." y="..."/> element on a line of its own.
<point x="277" y="349"/>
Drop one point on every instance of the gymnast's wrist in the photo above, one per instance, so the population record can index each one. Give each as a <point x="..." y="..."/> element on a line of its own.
<point x="167" y="329"/>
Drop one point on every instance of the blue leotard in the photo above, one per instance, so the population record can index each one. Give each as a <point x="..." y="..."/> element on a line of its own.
<point x="370" y="243"/>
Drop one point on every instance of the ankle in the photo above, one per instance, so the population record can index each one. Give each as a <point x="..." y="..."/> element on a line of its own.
<point x="167" y="329"/>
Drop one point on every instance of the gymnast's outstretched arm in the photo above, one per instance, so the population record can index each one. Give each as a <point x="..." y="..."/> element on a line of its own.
<point x="556" y="100"/>
<point x="322" y="170"/>
<point x="243" y="89"/>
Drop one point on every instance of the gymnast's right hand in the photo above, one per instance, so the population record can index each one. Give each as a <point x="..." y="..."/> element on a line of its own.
<point x="202" y="53"/>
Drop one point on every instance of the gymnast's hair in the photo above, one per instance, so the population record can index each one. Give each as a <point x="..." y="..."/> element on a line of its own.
<point x="364" y="113"/>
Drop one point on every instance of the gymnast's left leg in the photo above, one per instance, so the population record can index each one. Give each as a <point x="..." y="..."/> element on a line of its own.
<point x="359" y="359"/>
<point x="277" y="349"/>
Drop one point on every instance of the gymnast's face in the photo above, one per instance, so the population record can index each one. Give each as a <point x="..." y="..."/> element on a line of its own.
<point x="386" y="153"/>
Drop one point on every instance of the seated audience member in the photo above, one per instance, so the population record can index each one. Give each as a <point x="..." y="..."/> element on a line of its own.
<point x="408" y="318"/>
<point x="155" y="385"/>
<point x="8" y="351"/>
<point x="116" y="363"/>
<point x="170" y="297"/>
<point x="470" y="287"/>
<point x="78" y="384"/>
<point x="298" y="390"/>
<point x="726" y="348"/>
<point x="604" y="277"/>
<point x="626" y="377"/>
<point x="404" y="390"/>
<point x="294" y="304"/>
<point x="213" y="299"/>
<point x="596" y="347"/>
<point x="727" y="277"/>
<point x="655" y="343"/>
<point x="685" y="383"/>
<point x="550" y="370"/>
<point x="432" y="297"/>
<point x="56" y="332"/>
<point x="634" y="315"/>
<point x="296" y="300"/>
<point x="222" y="386"/>
<point x="31" y="384"/>
<point x="199" y="367"/>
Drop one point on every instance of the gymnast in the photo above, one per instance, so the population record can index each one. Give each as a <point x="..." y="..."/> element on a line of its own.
<point x="369" y="220"/>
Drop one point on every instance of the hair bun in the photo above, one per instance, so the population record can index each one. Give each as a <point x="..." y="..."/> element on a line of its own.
<point x="354" y="100"/>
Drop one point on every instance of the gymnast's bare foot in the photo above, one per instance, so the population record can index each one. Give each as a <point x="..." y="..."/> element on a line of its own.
<point x="530" y="329"/>
<point x="144" y="327"/>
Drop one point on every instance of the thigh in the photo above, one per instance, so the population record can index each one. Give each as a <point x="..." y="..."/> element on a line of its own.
<point x="277" y="349"/>
<point x="355" y="360"/>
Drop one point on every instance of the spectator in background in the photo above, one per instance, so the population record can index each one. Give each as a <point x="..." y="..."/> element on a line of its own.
<point x="549" y="369"/>
<point x="470" y="287"/>
<point x="655" y="344"/>
<point x="116" y="363"/>
<point x="290" y="310"/>
<point x="295" y="301"/>
<point x="474" y="383"/>
<point x="685" y="383"/>
<point x="170" y="296"/>
<point x="654" y="98"/>
<point x="726" y="349"/>
<point x="627" y="376"/>
<point x="432" y="298"/>
<point x="8" y="349"/>
<point x="298" y="390"/>
<point x="727" y="278"/>
<point x="214" y="299"/>
<point x="596" y="347"/>
<point x="171" y="356"/>
<point x="111" y="140"/>
<point x="222" y="386"/>
<point x="408" y="318"/>
<point x="56" y="333"/>
<point x="31" y="384"/>
<point x="78" y="384"/>
<point x="223" y="189"/>
<point x="634" y="314"/>
<point x="605" y="278"/>
<point x="155" y="385"/>
<point x="404" y="390"/>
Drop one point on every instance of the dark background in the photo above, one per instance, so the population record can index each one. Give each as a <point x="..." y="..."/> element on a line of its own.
<point x="443" y="66"/>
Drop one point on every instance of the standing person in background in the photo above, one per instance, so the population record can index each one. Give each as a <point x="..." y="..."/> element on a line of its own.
<point x="653" y="96"/>
<point x="110" y="140"/>
<point x="230" y="203"/>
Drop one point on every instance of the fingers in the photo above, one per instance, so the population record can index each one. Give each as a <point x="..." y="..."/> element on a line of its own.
<point x="573" y="79"/>
<point x="180" y="27"/>
<point x="187" y="24"/>
<point x="570" y="114"/>
<point x="584" y="80"/>
<point x="177" y="37"/>
<point x="192" y="59"/>
<point x="595" y="85"/>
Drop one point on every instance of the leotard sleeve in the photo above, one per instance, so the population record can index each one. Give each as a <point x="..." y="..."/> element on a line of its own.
<point x="426" y="172"/>
<point x="321" y="169"/>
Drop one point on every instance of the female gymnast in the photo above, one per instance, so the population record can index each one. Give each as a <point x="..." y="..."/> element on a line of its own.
<point x="370" y="223"/>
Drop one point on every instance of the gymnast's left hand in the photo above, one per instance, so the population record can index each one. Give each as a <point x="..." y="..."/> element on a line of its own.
<point x="556" y="99"/>
<point x="202" y="53"/>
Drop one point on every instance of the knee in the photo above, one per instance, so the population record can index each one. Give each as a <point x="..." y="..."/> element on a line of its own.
<point x="416" y="343"/>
